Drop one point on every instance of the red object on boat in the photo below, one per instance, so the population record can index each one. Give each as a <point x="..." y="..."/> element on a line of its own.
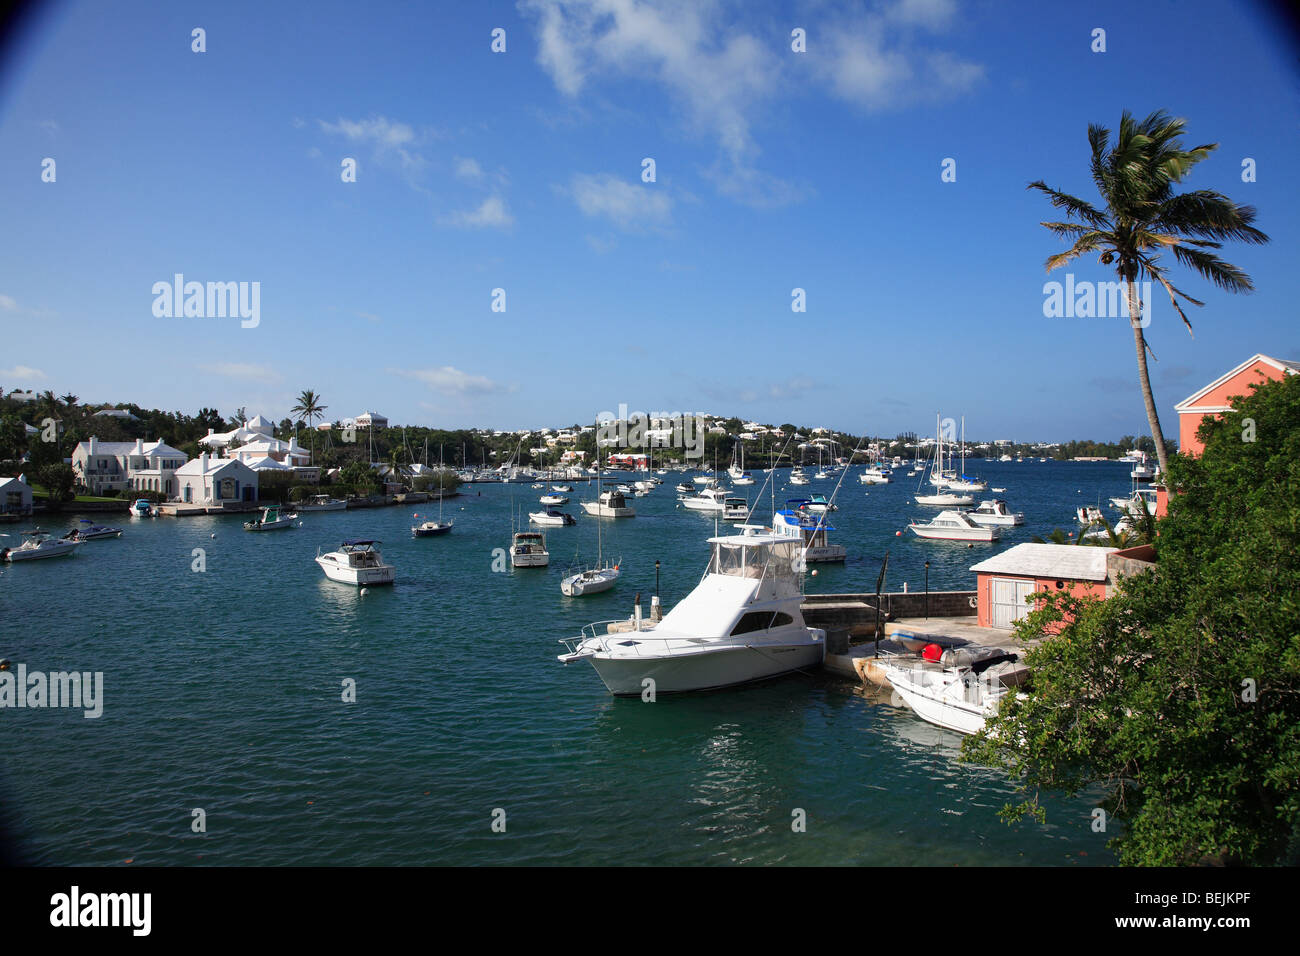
<point x="932" y="652"/>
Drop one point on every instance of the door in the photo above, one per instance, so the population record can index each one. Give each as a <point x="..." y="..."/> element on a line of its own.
<point x="1009" y="598"/>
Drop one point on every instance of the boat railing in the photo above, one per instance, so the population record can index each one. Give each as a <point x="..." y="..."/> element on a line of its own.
<point x="627" y="640"/>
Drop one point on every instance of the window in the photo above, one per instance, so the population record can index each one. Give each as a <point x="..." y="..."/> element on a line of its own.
<point x="753" y="621"/>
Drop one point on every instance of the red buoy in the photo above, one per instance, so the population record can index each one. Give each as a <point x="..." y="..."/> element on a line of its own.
<point x="932" y="652"/>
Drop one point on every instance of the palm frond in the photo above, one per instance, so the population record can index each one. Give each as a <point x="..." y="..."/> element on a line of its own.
<point x="1073" y="205"/>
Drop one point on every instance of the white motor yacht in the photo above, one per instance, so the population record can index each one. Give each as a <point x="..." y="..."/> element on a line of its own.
<point x="735" y="509"/>
<point x="954" y="526"/>
<point x="552" y="501"/>
<point x="610" y="504"/>
<point x="995" y="511"/>
<point x="876" y="475"/>
<point x="357" y="561"/>
<point x="742" y="623"/>
<point x="710" y="500"/>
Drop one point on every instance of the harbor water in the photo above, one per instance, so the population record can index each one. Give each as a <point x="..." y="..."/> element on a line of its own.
<point x="227" y="657"/>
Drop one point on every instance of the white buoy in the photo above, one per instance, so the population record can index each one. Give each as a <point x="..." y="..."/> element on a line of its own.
<point x="214" y="534"/>
<point x="363" y="591"/>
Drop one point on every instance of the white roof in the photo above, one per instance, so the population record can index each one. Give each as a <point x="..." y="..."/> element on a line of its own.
<point x="16" y="481"/>
<point x="195" y="465"/>
<point x="267" y="464"/>
<point x="1073" y="561"/>
<point x="258" y="423"/>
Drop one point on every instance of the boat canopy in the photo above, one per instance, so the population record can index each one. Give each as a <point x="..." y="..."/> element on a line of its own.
<point x="358" y="542"/>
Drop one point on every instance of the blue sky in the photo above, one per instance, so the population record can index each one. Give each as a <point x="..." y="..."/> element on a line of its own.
<point x="522" y="171"/>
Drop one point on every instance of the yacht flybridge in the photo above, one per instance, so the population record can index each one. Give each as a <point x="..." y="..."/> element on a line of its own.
<point x="995" y="511"/>
<point x="742" y="623"/>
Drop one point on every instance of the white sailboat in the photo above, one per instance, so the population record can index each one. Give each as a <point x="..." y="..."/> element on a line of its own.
<point x="595" y="579"/>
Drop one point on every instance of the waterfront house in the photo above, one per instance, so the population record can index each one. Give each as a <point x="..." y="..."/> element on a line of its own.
<point x="375" y="420"/>
<point x="1216" y="398"/>
<point x="15" y="498"/>
<point x="216" y="481"/>
<point x="289" y="452"/>
<point x="106" y="466"/>
<point x="1005" y="581"/>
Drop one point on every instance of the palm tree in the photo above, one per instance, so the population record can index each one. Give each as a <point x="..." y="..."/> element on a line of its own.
<point x="309" y="407"/>
<point x="1144" y="216"/>
<point x="70" y="400"/>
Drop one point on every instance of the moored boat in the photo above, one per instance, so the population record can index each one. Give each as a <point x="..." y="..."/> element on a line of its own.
<point x="37" y="545"/>
<point x="742" y="623"/>
<point x="954" y="526"/>
<point x="357" y="561"/>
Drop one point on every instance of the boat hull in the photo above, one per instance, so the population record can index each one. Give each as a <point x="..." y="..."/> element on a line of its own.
<point x="710" y="670"/>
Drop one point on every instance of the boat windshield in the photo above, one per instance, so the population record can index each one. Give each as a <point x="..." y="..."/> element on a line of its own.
<point x="774" y="561"/>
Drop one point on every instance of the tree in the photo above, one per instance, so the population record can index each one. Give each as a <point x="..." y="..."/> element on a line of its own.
<point x="1143" y="217"/>
<point x="310" y="408"/>
<point x="1179" y="696"/>
<point x="57" y="479"/>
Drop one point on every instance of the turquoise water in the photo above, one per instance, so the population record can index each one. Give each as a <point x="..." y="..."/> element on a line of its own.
<point x="223" y="692"/>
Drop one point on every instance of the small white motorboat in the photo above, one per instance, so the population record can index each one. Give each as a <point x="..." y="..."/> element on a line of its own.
<point x="36" y="545"/>
<point x="995" y="512"/>
<point x="818" y="504"/>
<point x="1134" y="504"/>
<point x="357" y="561"/>
<point x="709" y="500"/>
<point x="945" y="499"/>
<point x="1088" y="514"/>
<point x="958" y="697"/>
<point x="954" y="526"/>
<point x="143" y="508"/>
<point x="876" y="475"/>
<point x="271" y="520"/>
<point x="564" y="489"/>
<point x="528" y="550"/>
<point x="322" y="503"/>
<point x="89" y="531"/>
<point x="552" y="501"/>
<point x="551" y="517"/>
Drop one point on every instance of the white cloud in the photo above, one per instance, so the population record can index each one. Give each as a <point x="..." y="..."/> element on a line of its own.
<point x="387" y="138"/>
<point x="8" y="303"/>
<point x="243" y="370"/>
<point x="630" y="206"/>
<point x="450" y="380"/>
<point x="24" y="372"/>
<point x="725" y="75"/>
<point x="467" y="168"/>
<point x="491" y="214"/>
<point x="369" y="316"/>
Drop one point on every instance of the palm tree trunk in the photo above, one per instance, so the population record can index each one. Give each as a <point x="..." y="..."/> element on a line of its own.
<point x="1139" y="341"/>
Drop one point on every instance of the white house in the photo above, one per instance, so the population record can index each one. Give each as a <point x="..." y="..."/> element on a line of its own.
<point x="214" y="481"/>
<point x="118" y="465"/>
<point x="373" y="420"/>
<point x="121" y="413"/>
<point x="286" y="452"/>
<point x="15" y="497"/>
